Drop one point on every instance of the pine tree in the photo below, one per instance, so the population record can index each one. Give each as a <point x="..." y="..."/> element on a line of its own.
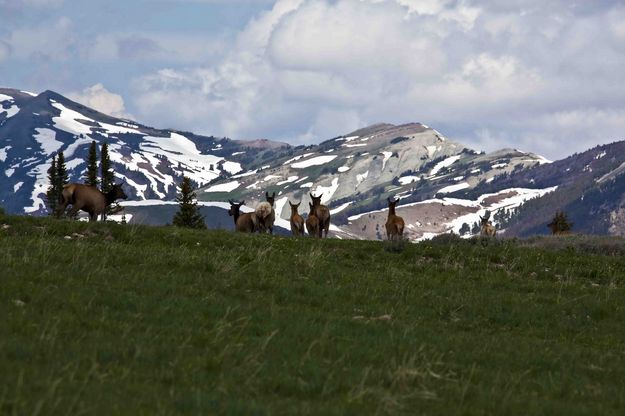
<point x="560" y="224"/>
<point x="91" y="178"/>
<point x="106" y="174"/>
<point x="62" y="178"/>
<point x="189" y="213"/>
<point x="52" y="194"/>
<point x="107" y="178"/>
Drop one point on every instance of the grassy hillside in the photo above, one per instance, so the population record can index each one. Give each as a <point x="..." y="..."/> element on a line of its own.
<point x="139" y="320"/>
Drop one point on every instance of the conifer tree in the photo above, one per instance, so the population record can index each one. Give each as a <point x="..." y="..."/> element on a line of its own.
<point x="62" y="178"/>
<point x="560" y="223"/>
<point x="91" y="178"/>
<point x="106" y="174"/>
<point x="52" y="194"/>
<point x="188" y="214"/>
<point x="106" y="177"/>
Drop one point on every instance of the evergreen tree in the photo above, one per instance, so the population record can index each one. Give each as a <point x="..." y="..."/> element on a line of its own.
<point x="62" y="178"/>
<point x="106" y="174"/>
<point x="189" y="214"/>
<point x="52" y="194"/>
<point x="107" y="178"/>
<point x="91" y="177"/>
<point x="560" y="224"/>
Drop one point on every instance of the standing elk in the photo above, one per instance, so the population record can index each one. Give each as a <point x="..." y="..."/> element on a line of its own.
<point x="322" y="213"/>
<point x="312" y="223"/>
<point x="265" y="214"/>
<point x="394" y="223"/>
<point x="244" y="223"/>
<point x="297" y="222"/>
<point x="89" y="199"/>
<point x="487" y="229"/>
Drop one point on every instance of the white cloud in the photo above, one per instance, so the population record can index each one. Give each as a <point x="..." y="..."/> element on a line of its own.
<point x="491" y="73"/>
<point x="99" y="98"/>
<point x="5" y="50"/>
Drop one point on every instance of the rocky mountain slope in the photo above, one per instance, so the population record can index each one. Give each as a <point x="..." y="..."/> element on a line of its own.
<point x="443" y="185"/>
<point x="150" y="161"/>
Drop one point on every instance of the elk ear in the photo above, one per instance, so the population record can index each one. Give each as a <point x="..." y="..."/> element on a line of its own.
<point x="242" y="202"/>
<point x="266" y="194"/>
<point x="311" y="195"/>
<point x="230" y="202"/>
<point x="273" y="195"/>
<point x="389" y="199"/>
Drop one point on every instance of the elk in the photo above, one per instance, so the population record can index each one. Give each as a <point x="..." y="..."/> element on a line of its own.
<point x="322" y="213"/>
<point x="89" y="199"/>
<point x="297" y="222"/>
<point x="312" y="223"/>
<point x="244" y="223"/>
<point x="394" y="223"/>
<point x="265" y="214"/>
<point x="486" y="227"/>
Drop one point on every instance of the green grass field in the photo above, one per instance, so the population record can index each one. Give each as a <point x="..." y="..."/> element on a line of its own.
<point x="140" y="320"/>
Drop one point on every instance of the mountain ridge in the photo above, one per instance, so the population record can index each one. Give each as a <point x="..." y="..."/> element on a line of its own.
<point x="443" y="185"/>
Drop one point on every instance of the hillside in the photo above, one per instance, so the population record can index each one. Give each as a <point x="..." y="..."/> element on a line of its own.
<point x="444" y="186"/>
<point x="590" y="188"/>
<point x="112" y="319"/>
<point x="33" y="128"/>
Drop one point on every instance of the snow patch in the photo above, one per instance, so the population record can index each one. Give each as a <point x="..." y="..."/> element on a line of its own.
<point x="387" y="156"/>
<point x="444" y="164"/>
<point x="315" y="161"/>
<point x="224" y="187"/>
<point x="340" y="208"/>
<point x="343" y="169"/>
<point x="306" y="185"/>
<point x="3" y="153"/>
<point x="453" y="188"/>
<point x="288" y="180"/>
<point x="405" y="180"/>
<point x="17" y="186"/>
<point x="47" y="140"/>
<point x="327" y="191"/>
<point x="361" y="177"/>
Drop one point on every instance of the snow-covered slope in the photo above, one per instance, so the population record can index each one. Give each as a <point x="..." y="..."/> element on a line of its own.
<point x="355" y="174"/>
<point x="34" y="128"/>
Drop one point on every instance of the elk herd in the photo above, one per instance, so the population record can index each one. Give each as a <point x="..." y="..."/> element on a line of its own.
<point x="261" y="219"/>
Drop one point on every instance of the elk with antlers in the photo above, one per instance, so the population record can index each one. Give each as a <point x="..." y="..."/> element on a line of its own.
<point x="322" y="213"/>
<point x="297" y="222"/>
<point x="265" y="214"/>
<point x="394" y="223"/>
<point x="487" y="229"/>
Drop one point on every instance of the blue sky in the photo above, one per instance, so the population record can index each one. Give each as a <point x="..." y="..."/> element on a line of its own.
<point x="540" y="76"/>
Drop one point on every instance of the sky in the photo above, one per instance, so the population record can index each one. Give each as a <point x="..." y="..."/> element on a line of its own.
<point x="546" y="76"/>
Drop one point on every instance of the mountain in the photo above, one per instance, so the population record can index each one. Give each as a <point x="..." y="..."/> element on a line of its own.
<point x="443" y="185"/>
<point x="590" y="189"/>
<point x="150" y="161"/>
<point x="356" y="173"/>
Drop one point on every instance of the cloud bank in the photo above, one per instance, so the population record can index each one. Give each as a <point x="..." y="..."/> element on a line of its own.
<point x="521" y="73"/>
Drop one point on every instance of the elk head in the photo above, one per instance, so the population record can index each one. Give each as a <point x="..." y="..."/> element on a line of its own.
<point x="271" y="198"/>
<point x="235" y="207"/>
<point x="316" y="200"/>
<point x="294" y="207"/>
<point x="118" y="192"/>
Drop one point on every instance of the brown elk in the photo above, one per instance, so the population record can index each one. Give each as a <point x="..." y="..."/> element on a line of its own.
<point x="322" y="213"/>
<point x="244" y="223"/>
<point x="394" y="223"/>
<point x="297" y="222"/>
<point x="312" y="223"/>
<point x="265" y="214"/>
<point x="487" y="229"/>
<point x="89" y="199"/>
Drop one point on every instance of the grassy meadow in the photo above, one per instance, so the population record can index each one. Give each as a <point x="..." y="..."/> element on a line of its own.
<point x="113" y="319"/>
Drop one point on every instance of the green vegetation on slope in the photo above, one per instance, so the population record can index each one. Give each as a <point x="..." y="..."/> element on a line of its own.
<point x="141" y="320"/>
